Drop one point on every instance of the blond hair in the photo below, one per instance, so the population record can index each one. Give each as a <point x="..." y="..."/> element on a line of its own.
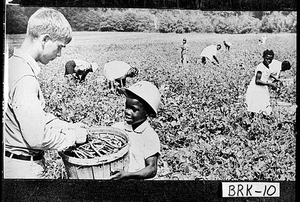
<point x="49" y="21"/>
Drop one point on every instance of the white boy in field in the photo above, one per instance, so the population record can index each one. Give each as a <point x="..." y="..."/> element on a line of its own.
<point x="116" y="73"/>
<point x="142" y="100"/>
<point x="28" y="130"/>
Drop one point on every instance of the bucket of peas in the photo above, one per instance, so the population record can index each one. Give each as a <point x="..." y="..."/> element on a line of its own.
<point x="106" y="150"/>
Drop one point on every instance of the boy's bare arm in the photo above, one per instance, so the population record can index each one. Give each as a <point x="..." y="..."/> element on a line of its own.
<point x="148" y="172"/>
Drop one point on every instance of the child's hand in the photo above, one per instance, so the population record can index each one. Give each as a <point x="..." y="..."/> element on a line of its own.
<point x="117" y="174"/>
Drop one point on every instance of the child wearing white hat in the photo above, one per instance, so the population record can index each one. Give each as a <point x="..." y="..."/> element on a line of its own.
<point x="142" y="101"/>
<point x="79" y="68"/>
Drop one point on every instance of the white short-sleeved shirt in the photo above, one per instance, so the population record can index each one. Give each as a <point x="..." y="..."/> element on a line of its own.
<point x="228" y="43"/>
<point x="209" y="51"/>
<point x="144" y="142"/>
<point x="115" y="70"/>
<point x="81" y="65"/>
<point x="264" y="70"/>
<point x="275" y="68"/>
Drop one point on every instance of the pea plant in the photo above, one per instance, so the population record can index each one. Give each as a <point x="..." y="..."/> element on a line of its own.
<point x="204" y="128"/>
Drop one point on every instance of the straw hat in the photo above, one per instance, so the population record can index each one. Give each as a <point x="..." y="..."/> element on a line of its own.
<point x="148" y="92"/>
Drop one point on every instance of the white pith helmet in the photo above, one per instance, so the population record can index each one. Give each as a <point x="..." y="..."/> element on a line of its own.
<point x="148" y="92"/>
<point x="94" y="66"/>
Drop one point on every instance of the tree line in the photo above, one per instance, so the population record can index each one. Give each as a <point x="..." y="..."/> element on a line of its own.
<point x="161" y="20"/>
<point x="225" y="5"/>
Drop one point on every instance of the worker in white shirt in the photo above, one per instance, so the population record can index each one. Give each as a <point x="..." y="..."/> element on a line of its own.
<point x="79" y="68"/>
<point x="210" y="53"/>
<point x="116" y="73"/>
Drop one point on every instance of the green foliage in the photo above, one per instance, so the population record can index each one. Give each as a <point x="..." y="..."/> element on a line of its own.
<point x="204" y="128"/>
<point x="111" y="21"/>
<point x="145" y="22"/>
<point x="86" y="21"/>
<point x="129" y="22"/>
<point x="247" y="24"/>
<point x="16" y="20"/>
<point x="165" y="21"/>
<point x="279" y="22"/>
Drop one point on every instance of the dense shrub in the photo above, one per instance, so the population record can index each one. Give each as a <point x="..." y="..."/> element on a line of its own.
<point x="278" y="22"/>
<point x="16" y="20"/>
<point x="165" y="21"/>
<point x="145" y="22"/>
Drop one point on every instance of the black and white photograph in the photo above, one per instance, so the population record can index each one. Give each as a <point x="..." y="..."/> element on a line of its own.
<point x="144" y="94"/>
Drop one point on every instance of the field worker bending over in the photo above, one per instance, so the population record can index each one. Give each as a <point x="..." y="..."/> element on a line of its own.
<point x="210" y="52"/>
<point x="28" y="129"/>
<point x="142" y="101"/>
<point x="79" y="68"/>
<point x="116" y="73"/>
<point x="227" y="45"/>
<point x="184" y="52"/>
<point x="257" y="95"/>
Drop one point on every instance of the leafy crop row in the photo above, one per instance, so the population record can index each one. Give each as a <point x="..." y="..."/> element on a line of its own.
<point x="204" y="128"/>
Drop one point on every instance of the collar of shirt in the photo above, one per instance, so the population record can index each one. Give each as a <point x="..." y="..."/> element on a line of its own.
<point x="29" y="59"/>
<point x="139" y="129"/>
